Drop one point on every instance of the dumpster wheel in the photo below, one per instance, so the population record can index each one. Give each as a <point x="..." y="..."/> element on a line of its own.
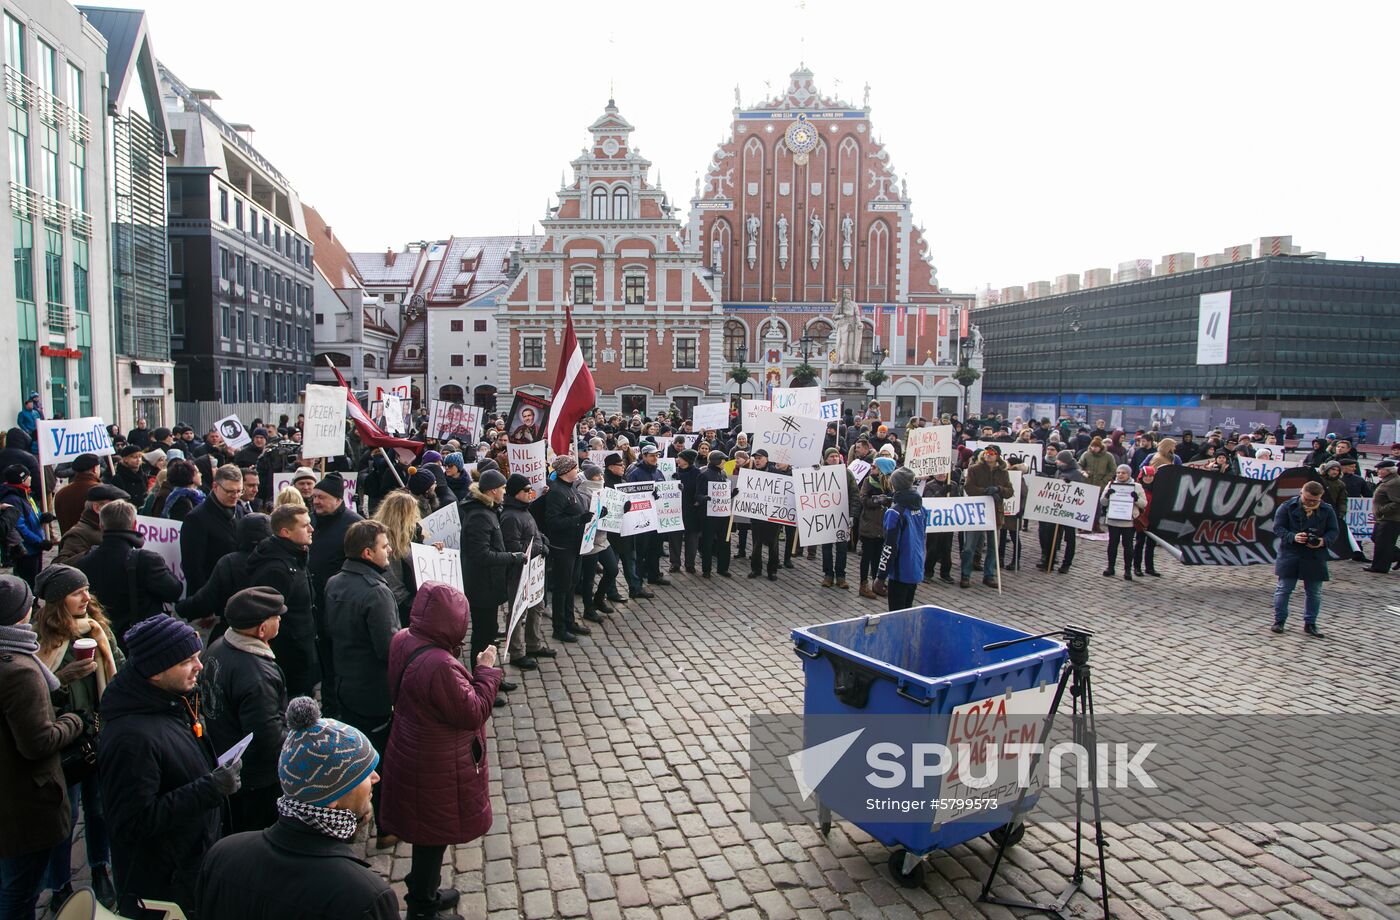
<point x="914" y="876"/>
<point x="1012" y="834"/>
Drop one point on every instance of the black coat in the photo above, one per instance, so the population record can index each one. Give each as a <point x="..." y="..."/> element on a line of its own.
<point x="328" y="547"/>
<point x="291" y="872"/>
<point x="132" y="482"/>
<point x="565" y="514"/>
<point x="230" y="574"/>
<point x="244" y="692"/>
<point x="692" y="507"/>
<point x="361" y="616"/>
<point x="280" y="564"/>
<point x="16" y="450"/>
<point x="163" y="810"/>
<point x="207" y="534"/>
<point x="130" y="581"/>
<point x="486" y="564"/>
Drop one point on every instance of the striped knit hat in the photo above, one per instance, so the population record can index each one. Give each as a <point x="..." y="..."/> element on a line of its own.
<point x="322" y="759"/>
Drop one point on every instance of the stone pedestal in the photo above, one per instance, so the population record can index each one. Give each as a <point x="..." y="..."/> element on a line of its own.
<point x="848" y="385"/>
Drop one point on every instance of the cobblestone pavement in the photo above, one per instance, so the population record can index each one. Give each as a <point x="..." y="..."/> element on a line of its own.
<point x="619" y="770"/>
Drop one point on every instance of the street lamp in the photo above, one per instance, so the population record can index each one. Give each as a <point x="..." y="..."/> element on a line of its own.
<point x="1069" y="321"/>
<point x="966" y="349"/>
<point x="741" y="354"/>
<point x="878" y="355"/>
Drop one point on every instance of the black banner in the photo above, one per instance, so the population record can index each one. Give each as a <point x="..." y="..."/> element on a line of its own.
<point x="1219" y="519"/>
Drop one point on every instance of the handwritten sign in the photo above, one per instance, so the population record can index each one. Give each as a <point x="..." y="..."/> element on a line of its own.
<point x="830" y="410"/>
<point x="718" y="505"/>
<point x="593" y="491"/>
<point x="711" y="415"/>
<point x="823" y="505"/>
<point x="599" y="457"/>
<point x="352" y="484"/>
<point x="790" y="439"/>
<point x="163" y="538"/>
<point x="521" y="602"/>
<point x="1361" y="517"/>
<point x="752" y="409"/>
<point x="669" y="514"/>
<point x="640" y="516"/>
<point x="930" y="450"/>
<point x="613" y="501"/>
<point x="1069" y="504"/>
<point x="765" y="497"/>
<point x="1012" y="507"/>
<point x="963" y="513"/>
<point x="1015" y="453"/>
<point x="528" y="461"/>
<point x="859" y="469"/>
<point x="443" y="525"/>
<point x="803" y="401"/>
<point x="430" y="564"/>
<point x="323" y="434"/>
<point x="453" y="420"/>
<point x="667" y="466"/>
<point x="536" y="581"/>
<point x="394" y="394"/>
<point x="60" y="440"/>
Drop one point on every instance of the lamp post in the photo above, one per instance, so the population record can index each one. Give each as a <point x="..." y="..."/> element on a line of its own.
<point x="878" y="355"/>
<point x="1069" y="321"/>
<point x="965" y="350"/>
<point x="741" y="354"/>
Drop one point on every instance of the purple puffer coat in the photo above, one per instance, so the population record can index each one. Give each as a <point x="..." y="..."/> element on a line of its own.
<point x="435" y="777"/>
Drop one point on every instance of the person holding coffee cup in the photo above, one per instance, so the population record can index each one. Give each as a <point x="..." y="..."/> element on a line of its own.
<point x="77" y="644"/>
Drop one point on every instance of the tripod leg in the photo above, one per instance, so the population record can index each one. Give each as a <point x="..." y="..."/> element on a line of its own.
<point x="1098" y="814"/>
<point x="1077" y="711"/>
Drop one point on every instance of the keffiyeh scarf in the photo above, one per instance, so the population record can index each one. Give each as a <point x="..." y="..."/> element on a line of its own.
<point x="338" y="823"/>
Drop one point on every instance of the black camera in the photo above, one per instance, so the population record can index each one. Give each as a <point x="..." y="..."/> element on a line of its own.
<point x="1314" y="537"/>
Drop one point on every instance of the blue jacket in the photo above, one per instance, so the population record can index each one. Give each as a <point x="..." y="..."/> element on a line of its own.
<point x="1298" y="560"/>
<point x="643" y="472"/>
<point x="903" y="557"/>
<point x="28" y="527"/>
<point x="28" y="419"/>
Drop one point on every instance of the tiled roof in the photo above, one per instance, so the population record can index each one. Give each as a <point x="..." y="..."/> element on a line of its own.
<point x="486" y="270"/>
<point x="329" y="255"/>
<point x="415" y="335"/>
<point x="374" y="267"/>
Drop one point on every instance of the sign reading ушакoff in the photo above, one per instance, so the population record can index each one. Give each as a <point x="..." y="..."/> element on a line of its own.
<point x="60" y="440"/>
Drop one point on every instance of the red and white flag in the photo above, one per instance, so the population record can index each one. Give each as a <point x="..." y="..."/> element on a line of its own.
<point x="574" y="394"/>
<point x="942" y="322"/>
<point x="371" y="435"/>
<point x="923" y="312"/>
<point x="899" y="315"/>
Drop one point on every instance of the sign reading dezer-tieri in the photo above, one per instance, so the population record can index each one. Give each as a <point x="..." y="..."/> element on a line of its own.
<point x="1069" y="504"/>
<point x="765" y="497"/>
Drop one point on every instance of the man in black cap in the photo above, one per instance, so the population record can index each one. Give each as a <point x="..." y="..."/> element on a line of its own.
<point x="566" y="513"/>
<point x="163" y="439"/>
<point x="87" y="533"/>
<point x="648" y="545"/>
<point x="128" y="475"/>
<point x="68" y="501"/>
<point x="714" y="529"/>
<point x="131" y="582"/>
<point x="162" y="789"/>
<point x="1386" y="510"/>
<point x="245" y="694"/>
<point x="332" y="519"/>
<point x="765" y="533"/>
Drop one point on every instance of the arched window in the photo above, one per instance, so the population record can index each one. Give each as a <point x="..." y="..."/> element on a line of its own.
<point x="820" y="332"/>
<point x="369" y="362"/>
<point x="600" y="204"/>
<point x="734" y="338"/>
<point x="621" y="203"/>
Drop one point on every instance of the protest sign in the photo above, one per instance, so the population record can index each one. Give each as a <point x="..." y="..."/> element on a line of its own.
<point x="640" y="516"/>
<point x="669" y="515"/>
<point x="687" y="440"/>
<point x="233" y="432"/>
<point x="528" y="461"/>
<point x="1361" y="518"/>
<point x="752" y="409"/>
<point x="443" y="525"/>
<point x="599" y="457"/>
<point x="1015" y="453"/>
<point x="823" y="505"/>
<point x="790" y="439"/>
<point x="352" y="484"/>
<point x="1121" y="504"/>
<point x="593" y="491"/>
<point x="963" y="513"/>
<point x="432" y="564"/>
<point x="395" y="396"/>
<point x="536" y="581"/>
<point x="711" y="415"/>
<point x="1257" y="468"/>
<point x="1012" y="506"/>
<point x="929" y="450"/>
<point x="60" y="439"/>
<point x="667" y="466"/>
<point x="765" y="497"/>
<point x="803" y="401"/>
<point x="163" y="538"/>
<point x="613" y="501"/>
<point x="323" y="434"/>
<point x="1069" y="504"/>
<point x="719" y="500"/>
<point x="1306" y="428"/>
<point x="859" y="469"/>
<point x="454" y="420"/>
<point x="521" y="601"/>
<point x="830" y="410"/>
<point x="391" y="415"/>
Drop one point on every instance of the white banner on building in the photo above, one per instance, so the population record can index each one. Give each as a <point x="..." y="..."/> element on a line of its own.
<point x="669" y="513"/>
<point x="1213" y="329"/>
<point x="1069" y="504"/>
<point x="60" y="440"/>
<point x="528" y="460"/>
<point x="718" y="505"/>
<point x="766" y="497"/>
<point x="963" y="513"/>
<point x="448" y="420"/>
<point x="929" y="450"/>
<point x="804" y="401"/>
<point x="823" y="505"/>
<point x="443" y="526"/>
<point x="711" y="415"/>
<point x="352" y="484"/>
<point x="163" y="538"/>
<point x="432" y="564"/>
<point x="790" y="439"/>
<point x="752" y="409"/>
<point x="230" y="427"/>
<point x="324" y="432"/>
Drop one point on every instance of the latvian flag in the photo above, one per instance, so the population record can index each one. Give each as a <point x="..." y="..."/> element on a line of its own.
<point x="574" y="394"/>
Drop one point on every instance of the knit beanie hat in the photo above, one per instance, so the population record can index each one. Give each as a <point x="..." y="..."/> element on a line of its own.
<point x="15" y="474"/>
<point x="160" y="642"/>
<point x="487" y="464"/>
<point x="901" y="479"/>
<point x="421" y="481"/>
<point x="491" y="479"/>
<point x="591" y="470"/>
<point x="563" y="463"/>
<point x="332" y="485"/>
<point x="15" y="600"/>
<point x="454" y="460"/>
<point x="251" y="606"/>
<point x="517" y="483"/>
<point x="689" y="456"/>
<point x="303" y="472"/>
<point x="57" y="581"/>
<point x="1122" y="468"/>
<point x="322" y="759"/>
<point x="431" y="456"/>
<point x="174" y="454"/>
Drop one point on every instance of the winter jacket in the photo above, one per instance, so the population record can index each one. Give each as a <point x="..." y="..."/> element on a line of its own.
<point x="70" y="501"/>
<point x="691" y="508"/>
<point x="245" y="692"/>
<point x="874" y="500"/>
<point x="1299" y="560"/>
<point x="291" y="872"/>
<point x="133" y="482"/>
<point x="34" y="811"/>
<point x="79" y="538"/>
<point x="981" y="479"/>
<point x="1099" y="468"/>
<point x="230" y="574"/>
<point x="362" y="616"/>
<point x="566" y="513"/>
<point x="519" y="532"/>
<point x="1140" y="522"/>
<point x="708" y="475"/>
<point x="27" y="526"/>
<point x="17" y="449"/>
<point x="130" y="581"/>
<point x="1186" y="451"/>
<point x="435" y="767"/>
<point x="902" y="559"/>
<point x="641" y="471"/>
<point x="207" y="534"/>
<point x="1139" y="502"/>
<point x="1334" y="493"/>
<point x="1386" y="499"/>
<point x="163" y="810"/>
<point x="486" y="565"/>
<point x="327" y="553"/>
<point x="280" y="564"/>
<point x="456" y="489"/>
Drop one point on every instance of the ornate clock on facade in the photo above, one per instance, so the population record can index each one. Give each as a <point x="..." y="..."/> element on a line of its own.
<point x="801" y="139"/>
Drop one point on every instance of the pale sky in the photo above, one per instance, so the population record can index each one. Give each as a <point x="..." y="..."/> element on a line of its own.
<point x="1037" y="139"/>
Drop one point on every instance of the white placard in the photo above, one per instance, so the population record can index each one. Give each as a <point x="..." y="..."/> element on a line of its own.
<point x="960" y="514"/>
<point x="793" y="440"/>
<point x="1069" y="504"/>
<point x="431" y="564"/>
<point x="598" y="457"/>
<point x="613" y="500"/>
<point x="594" y="493"/>
<point x="352" y="484"/>
<point x="233" y="432"/>
<point x="454" y="420"/>
<point x="640" y="516"/>
<point x="1258" y="468"/>
<point x="235" y="752"/>
<point x="669" y="512"/>
<point x="859" y="469"/>
<point x="752" y="409"/>
<point x="766" y="496"/>
<point x="823" y="505"/>
<point x="980" y="723"/>
<point x="929" y="450"/>
<point x="521" y="602"/>
<point x="443" y="525"/>
<point x="382" y="390"/>
<point x="60" y="440"/>
<point x="1012" y="505"/>
<point x="536" y="581"/>
<point x="1015" y="453"/>
<point x="1361" y="517"/>
<point x="163" y="538"/>
<point x="711" y="415"/>
<point x="667" y="466"/>
<point x="528" y="461"/>
<point x="323" y="435"/>
<point x="1213" y="329"/>
<point x="803" y="401"/>
<point x="830" y="410"/>
<point x="718" y="505"/>
<point x="1120" y="503"/>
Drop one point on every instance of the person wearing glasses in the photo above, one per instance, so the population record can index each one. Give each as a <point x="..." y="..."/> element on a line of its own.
<point x="210" y="531"/>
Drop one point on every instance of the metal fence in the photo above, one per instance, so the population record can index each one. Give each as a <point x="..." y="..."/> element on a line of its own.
<point x="202" y="415"/>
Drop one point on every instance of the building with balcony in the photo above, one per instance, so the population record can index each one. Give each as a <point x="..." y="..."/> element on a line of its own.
<point x="60" y="335"/>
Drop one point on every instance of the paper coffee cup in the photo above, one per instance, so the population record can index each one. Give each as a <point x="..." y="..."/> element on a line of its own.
<point x="84" y="649"/>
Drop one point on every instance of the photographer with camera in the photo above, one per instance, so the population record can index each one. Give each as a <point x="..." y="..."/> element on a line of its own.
<point x="1305" y="527"/>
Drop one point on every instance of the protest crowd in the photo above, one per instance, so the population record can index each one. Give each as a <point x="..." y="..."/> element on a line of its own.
<point x="235" y="662"/>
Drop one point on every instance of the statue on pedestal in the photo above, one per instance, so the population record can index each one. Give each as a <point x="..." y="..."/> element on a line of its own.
<point x="849" y="330"/>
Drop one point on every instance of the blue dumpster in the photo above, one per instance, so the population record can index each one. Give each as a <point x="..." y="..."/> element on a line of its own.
<point x="924" y="663"/>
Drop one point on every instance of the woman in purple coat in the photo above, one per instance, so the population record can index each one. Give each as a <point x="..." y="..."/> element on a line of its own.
<point x="435" y="778"/>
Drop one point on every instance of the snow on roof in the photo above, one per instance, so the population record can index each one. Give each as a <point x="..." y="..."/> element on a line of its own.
<point x="375" y="267"/>
<point x="486" y="254"/>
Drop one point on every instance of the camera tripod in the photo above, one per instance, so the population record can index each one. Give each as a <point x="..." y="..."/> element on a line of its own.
<point x="1076" y="678"/>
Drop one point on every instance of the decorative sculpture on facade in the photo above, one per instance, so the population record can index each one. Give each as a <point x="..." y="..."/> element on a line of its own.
<point x="815" y="226"/>
<point x="849" y="331"/>
<point x="782" y="241"/>
<point x="847" y="228"/>
<point x="751" y="224"/>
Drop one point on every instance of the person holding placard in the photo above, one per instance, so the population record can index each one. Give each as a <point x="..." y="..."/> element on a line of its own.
<point x="521" y="534"/>
<point x="1051" y="536"/>
<point x="834" y="554"/>
<point x="714" y="539"/>
<point x="1145" y="547"/>
<point x="874" y="499"/>
<point x="28" y="556"/>
<point x="566" y="511"/>
<point x="486" y="563"/>
<point x="938" y="549"/>
<point x="765" y="533"/>
<point x="601" y="557"/>
<point x="1124" y="501"/>
<point x="648" y="545"/>
<point x="988" y="476"/>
